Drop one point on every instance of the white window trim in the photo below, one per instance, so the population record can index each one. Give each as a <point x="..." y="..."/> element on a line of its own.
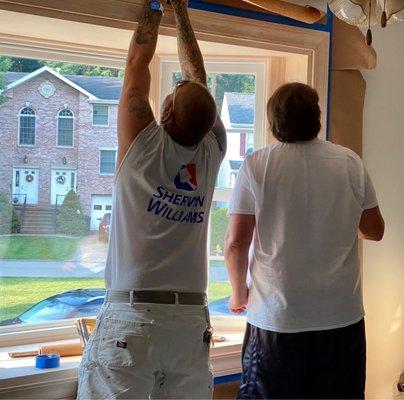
<point x="108" y="105"/>
<point x="57" y="128"/>
<point x="19" y="126"/>
<point x="99" y="159"/>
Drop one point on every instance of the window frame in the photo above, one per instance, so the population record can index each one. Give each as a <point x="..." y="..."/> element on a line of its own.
<point x="94" y="104"/>
<point x="19" y="126"/>
<point x="73" y="118"/>
<point x="248" y="32"/>
<point x="101" y="149"/>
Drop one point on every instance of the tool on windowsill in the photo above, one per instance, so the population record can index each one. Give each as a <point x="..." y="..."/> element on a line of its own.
<point x="65" y="348"/>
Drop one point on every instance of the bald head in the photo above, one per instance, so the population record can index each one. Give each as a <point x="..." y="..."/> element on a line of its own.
<point x="194" y="113"/>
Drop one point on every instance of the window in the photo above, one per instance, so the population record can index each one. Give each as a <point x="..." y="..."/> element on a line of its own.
<point x="107" y="162"/>
<point x="65" y="128"/>
<point x="27" y="123"/>
<point x="232" y="74"/>
<point x="100" y="115"/>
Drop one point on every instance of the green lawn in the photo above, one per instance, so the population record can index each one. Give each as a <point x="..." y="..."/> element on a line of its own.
<point x="19" y="294"/>
<point x="37" y="247"/>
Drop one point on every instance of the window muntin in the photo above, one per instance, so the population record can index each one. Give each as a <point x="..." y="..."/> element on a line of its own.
<point x="65" y="128"/>
<point x="27" y="127"/>
<point x="100" y="115"/>
<point x="107" y="162"/>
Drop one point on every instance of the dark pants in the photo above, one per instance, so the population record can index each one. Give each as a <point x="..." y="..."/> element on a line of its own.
<point x="329" y="364"/>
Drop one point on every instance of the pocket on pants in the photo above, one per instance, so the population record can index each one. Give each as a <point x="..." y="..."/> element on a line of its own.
<point x="124" y="343"/>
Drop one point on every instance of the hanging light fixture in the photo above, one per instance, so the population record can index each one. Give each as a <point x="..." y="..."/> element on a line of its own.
<point x="367" y="13"/>
<point x="393" y="10"/>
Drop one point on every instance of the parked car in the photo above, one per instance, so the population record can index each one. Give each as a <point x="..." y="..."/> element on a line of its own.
<point x="72" y="304"/>
<point x="82" y="303"/>
<point x="103" y="228"/>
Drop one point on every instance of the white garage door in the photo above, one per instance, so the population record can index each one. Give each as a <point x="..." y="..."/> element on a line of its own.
<point x="99" y="206"/>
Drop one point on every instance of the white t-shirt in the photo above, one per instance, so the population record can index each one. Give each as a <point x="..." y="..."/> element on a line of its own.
<point x="161" y="203"/>
<point x="307" y="198"/>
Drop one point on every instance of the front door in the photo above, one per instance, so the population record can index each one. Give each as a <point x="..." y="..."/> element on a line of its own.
<point x="62" y="182"/>
<point x="25" y="185"/>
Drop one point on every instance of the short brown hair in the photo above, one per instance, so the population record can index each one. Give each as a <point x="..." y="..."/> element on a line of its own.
<point x="294" y="113"/>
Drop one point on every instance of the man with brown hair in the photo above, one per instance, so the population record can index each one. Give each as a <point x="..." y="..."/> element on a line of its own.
<point x="301" y="204"/>
<point x="153" y="333"/>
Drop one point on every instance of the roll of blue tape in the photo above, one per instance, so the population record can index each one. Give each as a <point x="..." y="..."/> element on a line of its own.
<point x="47" y="361"/>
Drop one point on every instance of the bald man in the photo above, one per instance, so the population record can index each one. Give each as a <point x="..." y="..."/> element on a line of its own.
<point x="153" y="333"/>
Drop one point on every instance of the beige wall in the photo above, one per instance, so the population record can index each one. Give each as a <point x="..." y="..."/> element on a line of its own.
<point x="383" y="153"/>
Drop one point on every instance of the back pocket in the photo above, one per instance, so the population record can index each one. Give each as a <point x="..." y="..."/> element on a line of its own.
<point x="124" y="343"/>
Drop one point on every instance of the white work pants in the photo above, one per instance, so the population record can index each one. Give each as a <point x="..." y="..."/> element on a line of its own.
<point x="147" y="351"/>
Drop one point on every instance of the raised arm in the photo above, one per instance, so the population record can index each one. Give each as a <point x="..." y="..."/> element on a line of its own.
<point x="191" y="60"/>
<point x="134" y="112"/>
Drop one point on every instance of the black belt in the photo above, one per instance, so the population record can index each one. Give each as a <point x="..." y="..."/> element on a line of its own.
<point x="155" y="296"/>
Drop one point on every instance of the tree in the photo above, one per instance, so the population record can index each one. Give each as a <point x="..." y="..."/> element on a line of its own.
<point x="218" y="223"/>
<point x="70" y="220"/>
<point x="5" y="65"/>
<point x="9" y="221"/>
<point x="77" y="69"/>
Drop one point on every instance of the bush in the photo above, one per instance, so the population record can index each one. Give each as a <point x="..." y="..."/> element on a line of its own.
<point x="70" y="219"/>
<point x="218" y="223"/>
<point x="15" y="222"/>
<point x="9" y="221"/>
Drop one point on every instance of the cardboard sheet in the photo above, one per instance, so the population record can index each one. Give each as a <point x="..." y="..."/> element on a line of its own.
<point x="346" y="112"/>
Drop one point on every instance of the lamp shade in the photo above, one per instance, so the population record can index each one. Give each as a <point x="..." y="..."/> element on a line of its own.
<point x="394" y="9"/>
<point x="357" y="12"/>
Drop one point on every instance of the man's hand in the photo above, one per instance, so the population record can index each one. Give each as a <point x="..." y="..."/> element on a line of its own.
<point x="238" y="302"/>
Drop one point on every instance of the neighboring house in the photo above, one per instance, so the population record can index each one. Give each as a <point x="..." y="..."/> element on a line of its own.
<point x="59" y="133"/>
<point x="237" y="114"/>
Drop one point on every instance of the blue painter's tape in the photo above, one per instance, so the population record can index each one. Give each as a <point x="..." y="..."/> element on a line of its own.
<point x="44" y="361"/>
<point x="227" y="379"/>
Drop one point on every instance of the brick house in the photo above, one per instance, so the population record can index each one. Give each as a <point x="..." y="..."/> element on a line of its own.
<point x="59" y="133"/>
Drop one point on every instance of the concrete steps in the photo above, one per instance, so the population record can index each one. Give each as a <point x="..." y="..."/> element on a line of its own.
<point x="39" y="221"/>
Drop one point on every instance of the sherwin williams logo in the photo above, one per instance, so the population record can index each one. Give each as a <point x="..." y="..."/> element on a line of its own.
<point x="186" y="178"/>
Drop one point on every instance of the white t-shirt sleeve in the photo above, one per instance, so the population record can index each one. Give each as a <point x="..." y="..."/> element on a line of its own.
<point x="369" y="199"/>
<point x="242" y="200"/>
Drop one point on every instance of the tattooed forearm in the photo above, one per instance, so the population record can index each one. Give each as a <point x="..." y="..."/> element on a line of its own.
<point x="190" y="55"/>
<point x="139" y="105"/>
<point x="148" y="26"/>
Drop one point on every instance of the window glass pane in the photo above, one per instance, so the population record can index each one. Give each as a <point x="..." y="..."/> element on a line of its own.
<point x="65" y="131"/>
<point x="27" y="127"/>
<point x="100" y="114"/>
<point x="235" y="99"/>
<point x="219" y="286"/>
<point x="107" y="161"/>
<point x="52" y="199"/>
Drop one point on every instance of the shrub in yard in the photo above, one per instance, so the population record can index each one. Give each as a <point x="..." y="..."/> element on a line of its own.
<point x="9" y="222"/>
<point x="15" y="222"/>
<point x="218" y="223"/>
<point x="70" y="220"/>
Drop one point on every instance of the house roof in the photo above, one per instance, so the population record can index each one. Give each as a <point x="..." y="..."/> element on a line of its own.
<point x="105" y="88"/>
<point x="241" y="108"/>
<point x="94" y="87"/>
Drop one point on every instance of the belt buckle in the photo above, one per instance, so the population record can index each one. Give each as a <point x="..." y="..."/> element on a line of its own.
<point x="176" y="298"/>
<point x="131" y="293"/>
